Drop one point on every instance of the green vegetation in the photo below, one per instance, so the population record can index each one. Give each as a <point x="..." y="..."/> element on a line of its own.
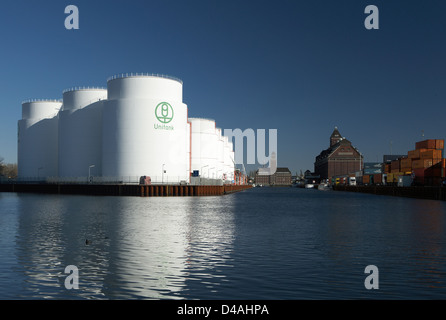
<point x="8" y="170"/>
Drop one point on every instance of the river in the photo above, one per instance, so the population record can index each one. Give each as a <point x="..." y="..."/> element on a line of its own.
<point x="262" y="243"/>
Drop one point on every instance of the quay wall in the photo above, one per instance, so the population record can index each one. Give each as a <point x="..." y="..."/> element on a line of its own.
<point x="432" y="193"/>
<point x="125" y="190"/>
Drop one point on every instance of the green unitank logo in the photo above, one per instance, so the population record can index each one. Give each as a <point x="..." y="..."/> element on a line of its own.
<point x="164" y="112"/>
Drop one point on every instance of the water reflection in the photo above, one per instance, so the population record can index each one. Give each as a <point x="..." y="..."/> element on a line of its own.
<point x="428" y="226"/>
<point x="137" y="247"/>
<point x="210" y="238"/>
<point x="8" y="234"/>
<point x="164" y="242"/>
<point x="51" y="235"/>
<point x="270" y="243"/>
<point x="148" y="248"/>
<point x="39" y="245"/>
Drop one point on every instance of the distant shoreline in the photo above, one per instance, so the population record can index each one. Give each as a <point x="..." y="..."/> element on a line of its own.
<point x="420" y="192"/>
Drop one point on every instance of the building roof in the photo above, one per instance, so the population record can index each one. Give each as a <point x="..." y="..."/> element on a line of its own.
<point x="329" y="151"/>
<point x="335" y="133"/>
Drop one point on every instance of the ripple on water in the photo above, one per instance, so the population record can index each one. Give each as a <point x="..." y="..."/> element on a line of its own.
<point x="265" y="243"/>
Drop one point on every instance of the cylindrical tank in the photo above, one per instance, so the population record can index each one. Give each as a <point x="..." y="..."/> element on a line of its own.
<point x="220" y="154"/>
<point x="80" y="132"/>
<point x="144" y="126"/>
<point x="228" y="159"/>
<point x="232" y="158"/>
<point x="188" y="150"/>
<point x="37" y="144"/>
<point x="79" y="97"/>
<point x="231" y="161"/>
<point x="204" y="147"/>
<point x="40" y="109"/>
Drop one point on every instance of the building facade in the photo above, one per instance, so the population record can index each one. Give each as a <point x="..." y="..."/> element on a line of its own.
<point x="340" y="159"/>
<point x="282" y="177"/>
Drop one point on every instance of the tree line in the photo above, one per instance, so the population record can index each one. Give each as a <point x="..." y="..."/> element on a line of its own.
<point x="8" y="170"/>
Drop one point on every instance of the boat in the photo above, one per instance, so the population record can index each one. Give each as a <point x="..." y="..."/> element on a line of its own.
<point x="298" y="184"/>
<point x="309" y="186"/>
<point x="324" y="187"/>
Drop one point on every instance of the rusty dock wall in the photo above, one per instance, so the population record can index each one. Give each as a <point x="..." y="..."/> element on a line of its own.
<point x="125" y="190"/>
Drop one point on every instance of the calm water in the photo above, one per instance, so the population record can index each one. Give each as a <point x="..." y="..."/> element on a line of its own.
<point x="264" y="243"/>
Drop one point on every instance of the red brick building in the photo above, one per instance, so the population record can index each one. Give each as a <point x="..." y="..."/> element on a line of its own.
<point x="340" y="159"/>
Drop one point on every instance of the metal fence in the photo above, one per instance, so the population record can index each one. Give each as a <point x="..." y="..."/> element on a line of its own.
<point x="154" y="180"/>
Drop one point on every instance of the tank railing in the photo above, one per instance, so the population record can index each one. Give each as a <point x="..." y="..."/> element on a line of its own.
<point x="156" y="180"/>
<point x="83" y="88"/>
<point x="41" y="100"/>
<point x="129" y="75"/>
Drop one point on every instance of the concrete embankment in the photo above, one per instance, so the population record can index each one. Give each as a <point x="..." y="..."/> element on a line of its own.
<point x="124" y="190"/>
<point x="432" y="193"/>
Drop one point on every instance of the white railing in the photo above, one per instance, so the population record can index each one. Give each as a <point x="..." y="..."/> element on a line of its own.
<point x="41" y="100"/>
<point x="158" y="75"/>
<point x="83" y="88"/>
<point x="118" y="180"/>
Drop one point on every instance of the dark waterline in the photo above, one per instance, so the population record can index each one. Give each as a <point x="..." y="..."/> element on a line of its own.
<point x="263" y="243"/>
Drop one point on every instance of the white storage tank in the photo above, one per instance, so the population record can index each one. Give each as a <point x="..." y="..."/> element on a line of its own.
<point x="232" y="158"/>
<point x="80" y="133"/>
<point x="220" y="154"/>
<point x="228" y="159"/>
<point x="144" y="128"/>
<point x="204" y="147"/>
<point x="37" y="143"/>
<point x="188" y="150"/>
<point x="225" y="158"/>
<point x="232" y="161"/>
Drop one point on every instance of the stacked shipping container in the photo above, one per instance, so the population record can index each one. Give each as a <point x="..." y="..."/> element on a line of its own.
<point x="434" y="175"/>
<point x="406" y="165"/>
<point x="425" y="164"/>
<point x="396" y="168"/>
<point x="372" y="173"/>
<point x="437" y="144"/>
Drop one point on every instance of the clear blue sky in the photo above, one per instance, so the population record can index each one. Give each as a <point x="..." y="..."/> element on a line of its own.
<point x="301" y="67"/>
